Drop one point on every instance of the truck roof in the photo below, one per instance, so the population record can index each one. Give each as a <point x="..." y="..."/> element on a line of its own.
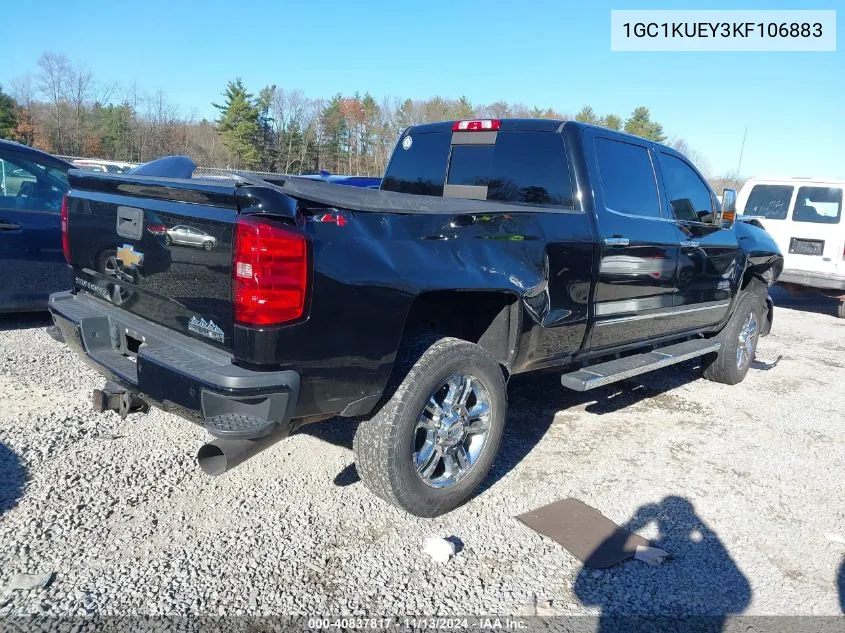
<point x="529" y="125"/>
<point x="508" y="125"/>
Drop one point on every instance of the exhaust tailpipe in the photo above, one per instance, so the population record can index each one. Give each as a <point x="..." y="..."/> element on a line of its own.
<point x="222" y="455"/>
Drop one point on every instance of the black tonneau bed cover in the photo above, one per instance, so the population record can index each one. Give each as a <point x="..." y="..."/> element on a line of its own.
<point x="212" y="189"/>
<point x="363" y="199"/>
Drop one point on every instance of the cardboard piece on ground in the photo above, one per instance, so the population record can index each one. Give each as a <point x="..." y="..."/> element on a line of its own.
<point x="590" y="536"/>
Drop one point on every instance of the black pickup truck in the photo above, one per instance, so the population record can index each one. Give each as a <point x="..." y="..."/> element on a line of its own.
<point x="493" y="248"/>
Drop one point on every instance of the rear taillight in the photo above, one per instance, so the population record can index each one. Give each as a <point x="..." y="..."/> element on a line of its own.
<point x="65" y="236"/>
<point x="269" y="271"/>
<point x="157" y="229"/>
<point x="480" y="125"/>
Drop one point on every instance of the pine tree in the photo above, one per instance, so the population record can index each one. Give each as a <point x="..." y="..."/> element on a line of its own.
<point x="612" y="122"/>
<point x="240" y="125"/>
<point x="265" y="123"/>
<point x="464" y="109"/>
<point x="335" y="134"/>
<point x="587" y="115"/>
<point x="8" y="117"/>
<point x="640" y="124"/>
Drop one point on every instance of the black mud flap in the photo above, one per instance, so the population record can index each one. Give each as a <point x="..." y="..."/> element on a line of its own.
<point x="766" y="328"/>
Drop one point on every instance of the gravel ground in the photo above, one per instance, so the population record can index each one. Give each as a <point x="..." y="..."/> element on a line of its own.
<point x="743" y="485"/>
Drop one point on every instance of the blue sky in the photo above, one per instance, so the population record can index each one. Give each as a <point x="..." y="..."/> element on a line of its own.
<point x="548" y="53"/>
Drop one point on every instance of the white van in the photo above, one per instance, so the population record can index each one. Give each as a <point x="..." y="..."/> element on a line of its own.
<point x="804" y="216"/>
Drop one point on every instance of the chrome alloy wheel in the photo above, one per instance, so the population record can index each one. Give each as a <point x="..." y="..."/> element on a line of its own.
<point x="451" y="431"/>
<point x="747" y="340"/>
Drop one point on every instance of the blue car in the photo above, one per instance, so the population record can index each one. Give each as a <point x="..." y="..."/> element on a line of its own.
<point x="32" y="264"/>
<point x="370" y="182"/>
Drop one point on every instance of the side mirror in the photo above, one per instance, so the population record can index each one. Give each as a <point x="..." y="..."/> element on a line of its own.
<point x="728" y="207"/>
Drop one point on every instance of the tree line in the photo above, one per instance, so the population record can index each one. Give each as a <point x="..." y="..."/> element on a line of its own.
<point x="63" y="109"/>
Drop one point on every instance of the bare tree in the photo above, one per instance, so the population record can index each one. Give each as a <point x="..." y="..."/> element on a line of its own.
<point x="23" y="90"/>
<point x="80" y="89"/>
<point x="54" y="77"/>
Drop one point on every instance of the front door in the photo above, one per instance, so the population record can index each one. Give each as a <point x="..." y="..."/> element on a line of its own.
<point x="639" y="247"/>
<point x="709" y="269"/>
<point x="32" y="264"/>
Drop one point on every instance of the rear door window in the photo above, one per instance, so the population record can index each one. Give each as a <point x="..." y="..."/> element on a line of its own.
<point x="768" y="201"/>
<point x="821" y="205"/>
<point x="627" y="178"/>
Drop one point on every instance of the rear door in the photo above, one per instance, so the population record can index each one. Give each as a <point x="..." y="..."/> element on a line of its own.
<point x="816" y="239"/>
<point x="708" y="263"/>
<point x="31" y="261"/>
<point x="639" y="248"/>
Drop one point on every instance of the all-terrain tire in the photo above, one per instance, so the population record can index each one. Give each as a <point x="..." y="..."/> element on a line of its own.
<point x="384" y="444"/>
<point x="725" y="366"/>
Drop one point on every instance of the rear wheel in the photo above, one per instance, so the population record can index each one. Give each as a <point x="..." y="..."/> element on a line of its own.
<point x="739" y="342"/>
<point x="208" y="245"/>
<point x="430" y="446"/>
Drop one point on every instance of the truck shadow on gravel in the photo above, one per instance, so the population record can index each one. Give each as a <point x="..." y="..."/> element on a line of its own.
<point x="694" y="590"/>
<point x="534" y="400"/>
<point x="13" y="478"/>
<point x="24" y="321"/>
<point x="808" y="301"/>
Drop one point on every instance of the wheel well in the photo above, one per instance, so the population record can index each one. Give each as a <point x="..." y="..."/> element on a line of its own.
<point x="489" y="319"/>
<point x="756" y="284"/>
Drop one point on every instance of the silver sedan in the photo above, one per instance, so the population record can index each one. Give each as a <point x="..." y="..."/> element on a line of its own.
<point x="190" y="236"/>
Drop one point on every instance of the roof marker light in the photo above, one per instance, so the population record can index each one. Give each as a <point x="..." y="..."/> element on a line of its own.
<point x="479" y="125"/>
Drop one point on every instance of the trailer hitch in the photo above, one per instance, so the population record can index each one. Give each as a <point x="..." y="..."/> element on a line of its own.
<point x="113" y="397"/>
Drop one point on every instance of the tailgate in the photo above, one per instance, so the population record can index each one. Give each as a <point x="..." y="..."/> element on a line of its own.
<point x="160" y="250"/>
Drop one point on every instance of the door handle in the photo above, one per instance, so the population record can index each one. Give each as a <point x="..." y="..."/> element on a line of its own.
<point x="616" y="241"/>
<point x="689" y="244"/>
<point x="9" y="226"/>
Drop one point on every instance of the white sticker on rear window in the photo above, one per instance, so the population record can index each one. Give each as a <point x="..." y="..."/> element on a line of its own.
<point x="407" y="142"/>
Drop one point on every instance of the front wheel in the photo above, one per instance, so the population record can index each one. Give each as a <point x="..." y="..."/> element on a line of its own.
<point x="208" y="245"/>
<point x="739" y="343"/>
<point x="430" y="446"/>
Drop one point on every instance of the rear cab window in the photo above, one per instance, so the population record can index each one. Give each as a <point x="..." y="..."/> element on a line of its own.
<point x="418" y="164"/>
<point x="516" y="167"/>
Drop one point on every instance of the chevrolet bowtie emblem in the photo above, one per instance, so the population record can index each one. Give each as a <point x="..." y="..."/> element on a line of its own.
<point x="129" y="257"/>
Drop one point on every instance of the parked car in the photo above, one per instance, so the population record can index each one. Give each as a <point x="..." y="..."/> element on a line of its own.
<point x="804" y="216"/>
<point x="493" y="248"/>
<point x="190" y="236"/>
<point x="106" y="166"/>
<point x="369" y="182"/>
<point x="32" y="184"/>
